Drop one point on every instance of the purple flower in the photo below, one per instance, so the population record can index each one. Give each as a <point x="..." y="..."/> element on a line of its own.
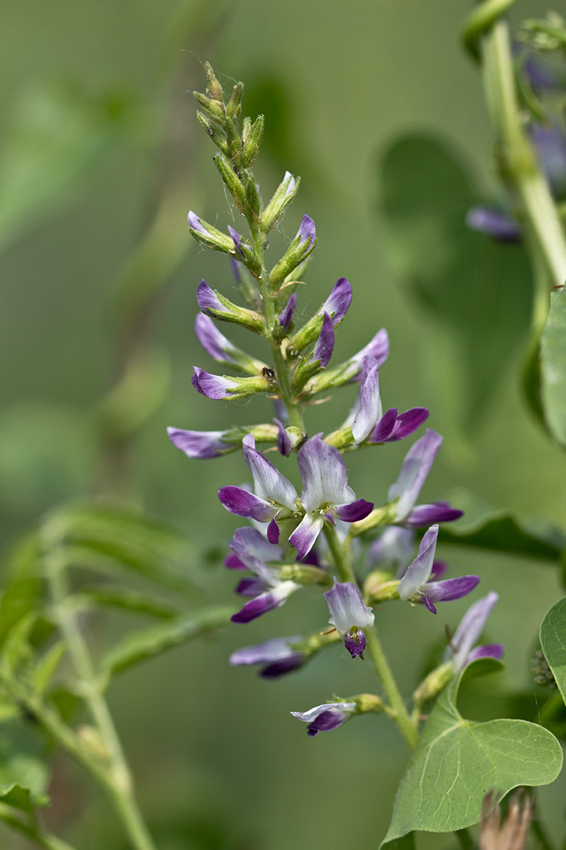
<point x="493" y="223"/>
<point x="416" y="585"/>
<point x="221" y="349"/>
<point x="199" y="444"/>
<point x="392" y="549"/>
<point x="468" y="633"/>
<point x="326" y="493"/>
<point x="287" y="314"/>
<point x="213" y="386"/>
<point x="324" y="718"/>
<point x="251" y="551"/>
<point x="274" y="494"/>
<point x="367" y="420"/>
<point x="277" y="655"/>
<point x="412" y="476"/>
<point x="338" y="302"/>
<point x="207" y="299"/>
<point x="287" y="439"/>
<point x="349" y="615"/>
<point x="306" y="233"/>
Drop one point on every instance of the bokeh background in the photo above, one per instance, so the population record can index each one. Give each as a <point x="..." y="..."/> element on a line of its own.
<point x="99" y="147"/>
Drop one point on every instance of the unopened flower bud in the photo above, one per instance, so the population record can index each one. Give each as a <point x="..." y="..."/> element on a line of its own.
<point x="252" y="142"/>
<point x="434" y="683"/>
<point x="231" y="180"/>
<point x="299" y="249"/>
<point x="283" y="196"/>
<point x="235" y="103"/>
<point x="217" y="306"/>
<point x="304" y="574"/>
<point x="208" y="235"/>
<point x="214" y="88"/>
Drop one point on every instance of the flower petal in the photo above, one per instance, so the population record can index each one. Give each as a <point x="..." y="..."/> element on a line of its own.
<point x="494" y="223"/>
<point x="338" y="302"/>
<point x="213" y="342"/>
<point x="264" y="653"/>
<point x="313" y="713"/>
<point x="265" y="602"/>
<point x="242" y="503"/>
<point x="450" y="588"/>
<point x="471" y="626"/>
<point x="306" y="231"/>
<point x="355" y="642"/>
<point x="287" y="315"/>
<point x="199" y="444"/>
<point x="249" y="541"/>
<point x="207" y="298"/>
<point x="251" y="587"/>
<point x="377" y="347"/>
<point x="414" y="471"/>
<point x="370" y="410"/>
<point x="325" y="343"/>
<point x="347" y="608"/>
<point x="212" y="386"/>
<point x="408" y="422"/>
<point x="324" y="475"/>
<point x="284" y="441"/>
<point x="304" y="536"/>
<point x="234" y="563"/>
<point x="436" y="512"/>
<point x="386" y="428"/>
<point x="354" y="511"/>
<point x="273" y="532"/>
<point x="419" y="571"/>
<point x="269" y="483"/>
<point x="489" y="650"/>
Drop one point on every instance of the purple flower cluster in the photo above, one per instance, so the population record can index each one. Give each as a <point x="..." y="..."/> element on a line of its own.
<point x="282" y="549"/>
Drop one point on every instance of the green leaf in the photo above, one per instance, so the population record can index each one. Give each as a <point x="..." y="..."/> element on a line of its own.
<point x="458" y="761"/>
<point x="103" y="534"/>
<point x="553" y="642"/>
<point x="17" y="797"/>
<point x="130" y="600"/>
<point x="147" y="643"/>
<point x="22" y="763"/>
<point x="23" y="586"/>
<point x="503" y="532"/>
<point x="478" y="291"/>
<point x="553" y="366"/>
<point x="47" y="666"/>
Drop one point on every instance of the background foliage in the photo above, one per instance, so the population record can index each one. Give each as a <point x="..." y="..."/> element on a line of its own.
<point x="96" y="96"/>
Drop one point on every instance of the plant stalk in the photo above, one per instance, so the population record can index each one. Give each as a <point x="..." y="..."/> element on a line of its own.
<point x="118" y="779"/>
<point x="406" y="726"/>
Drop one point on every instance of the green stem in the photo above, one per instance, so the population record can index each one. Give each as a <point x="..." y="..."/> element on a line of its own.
<point x="519" y="160"/>
<point x="281" y="367"/>
<point x="118" y="781"/>
<point x="340" y="555"/>
<point x="407" y="727"/>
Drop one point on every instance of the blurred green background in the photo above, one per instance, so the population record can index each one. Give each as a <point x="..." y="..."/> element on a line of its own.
<point x="97" y="127"/>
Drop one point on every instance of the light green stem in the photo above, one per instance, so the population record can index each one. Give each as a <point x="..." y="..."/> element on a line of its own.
<point x="518" y="157"/>
<point x="340" y="555"/>
<point x="118" y="780"/>
<point x="406" y="726"/>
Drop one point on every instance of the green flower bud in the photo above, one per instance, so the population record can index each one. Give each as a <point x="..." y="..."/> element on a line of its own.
<point x="434" y="683"/>
<point x="235" y="103"/>
<point x="303" y="574"/>
<point x="252" y="142"/>
<point x="231" y="180"/>
<point x="214" y="88"/>
<point x="211" y="107"/>
<point x="283" y="196"/>
<point x="215" y="132"/>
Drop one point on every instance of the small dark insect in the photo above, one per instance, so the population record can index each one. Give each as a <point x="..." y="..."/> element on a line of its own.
<point x="267" y="372"/>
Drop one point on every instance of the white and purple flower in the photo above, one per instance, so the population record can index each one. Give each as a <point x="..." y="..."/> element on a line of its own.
<point x="418" y="582"/>
<point x="324" y="718"/>
<point x="416" y="466"/>
<point x="221" y="349"/>
<point x="200" y="444"/>
<point x="349" y="615"/>
<point x="461" y="648"/>
<point x="326" y="493"/>
<point x="367" y="419"/>
<point x="277" y="656"/>
<point x="250" y="551"/>
<point x="274" y="497"/>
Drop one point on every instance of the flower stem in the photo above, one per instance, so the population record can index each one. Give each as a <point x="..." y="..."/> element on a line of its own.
<point x="117" y="779"/>
<point x="519" y="163"/>
<point x="407" y="727"/>
<point x="340" y="555"/>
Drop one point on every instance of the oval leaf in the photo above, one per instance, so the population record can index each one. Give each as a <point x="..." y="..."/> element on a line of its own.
<point x="553" y="642"/>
